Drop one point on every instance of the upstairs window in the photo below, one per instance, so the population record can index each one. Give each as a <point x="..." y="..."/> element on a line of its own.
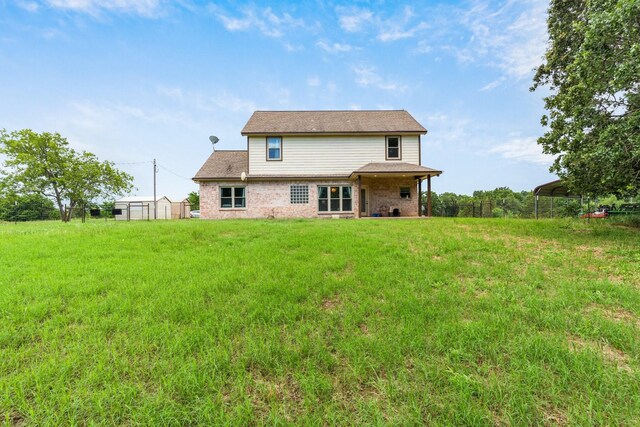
<point x="274" y="148"/>
<point x="394" y="148"/>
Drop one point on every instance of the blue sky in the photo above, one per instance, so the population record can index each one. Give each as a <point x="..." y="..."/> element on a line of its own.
<point x="133" y="80"/>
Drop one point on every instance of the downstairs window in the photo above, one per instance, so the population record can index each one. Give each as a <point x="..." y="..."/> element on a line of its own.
<point x="232" y="197"/>
<point x="334" y="199"/>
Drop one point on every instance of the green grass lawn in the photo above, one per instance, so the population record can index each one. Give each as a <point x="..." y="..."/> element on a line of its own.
<point x="443" y="321"/>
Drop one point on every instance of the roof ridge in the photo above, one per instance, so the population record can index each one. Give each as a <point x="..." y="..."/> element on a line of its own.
<point x="325" y="111"/>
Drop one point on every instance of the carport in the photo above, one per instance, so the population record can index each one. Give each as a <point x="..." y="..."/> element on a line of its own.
<point x="552" y="189"/>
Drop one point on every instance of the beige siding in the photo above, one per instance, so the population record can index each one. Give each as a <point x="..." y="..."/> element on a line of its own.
<point x="327" y="155"/>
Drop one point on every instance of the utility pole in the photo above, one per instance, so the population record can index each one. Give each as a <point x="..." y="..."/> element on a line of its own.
<point x="155" y="200"/>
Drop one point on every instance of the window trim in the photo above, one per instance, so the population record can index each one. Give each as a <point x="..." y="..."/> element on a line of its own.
<point x="266" y="145"/>
<point x="386" y="147"/>
<point x="328" y="199"/>
<point x="233" y="197"/>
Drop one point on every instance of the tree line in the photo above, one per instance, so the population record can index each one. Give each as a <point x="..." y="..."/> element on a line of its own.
<point x="504" y="202"/>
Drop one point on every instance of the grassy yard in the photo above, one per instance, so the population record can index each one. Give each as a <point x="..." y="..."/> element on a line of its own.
<point x="443" y="321"/>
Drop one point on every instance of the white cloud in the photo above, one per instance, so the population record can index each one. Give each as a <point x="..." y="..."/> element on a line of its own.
<point x="293" y="48"/>
<point x="523" y="149"/>
<point x="29" y="6"/>
<point x="266" y="21"/>
<point x="147" y="8"/>
<point x="233" y="103"/>
<point x="512" y="38"/>
<point x="334" y="47"/>
<point x="313" y="81"/>
<point x="454" y="131"/>
<point x="494" y="84"/>
<point x="397" y="27"/>
<point x="423" y="47"/>
<point x="353" y="19"/>
<point x="367" y="76"/>
<point x="400" y="27"/>
<point x="174" y="93"/>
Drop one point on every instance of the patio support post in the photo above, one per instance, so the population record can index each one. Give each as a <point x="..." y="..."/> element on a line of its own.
<point x="358" y="214"/>
<point x="429" y="195"/>
<point x="419" y="196"/>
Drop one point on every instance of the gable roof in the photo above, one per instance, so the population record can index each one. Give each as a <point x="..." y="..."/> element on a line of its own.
<point x="224" y="164"/>
<point x="332" y="122"/>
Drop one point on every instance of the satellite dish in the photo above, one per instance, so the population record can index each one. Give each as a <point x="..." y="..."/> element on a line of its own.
<point x="213" y="139"/>
<point x="243" y="176"/>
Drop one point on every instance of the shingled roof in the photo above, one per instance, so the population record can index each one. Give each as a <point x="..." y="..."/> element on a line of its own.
<point x="227" y="164"/>
<point x="395" y="168"/>
<point x="332" y="122"/>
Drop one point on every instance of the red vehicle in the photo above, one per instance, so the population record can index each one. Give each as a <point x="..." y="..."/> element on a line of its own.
<point x="596" y="214"/>
<point x="601" y="212"/>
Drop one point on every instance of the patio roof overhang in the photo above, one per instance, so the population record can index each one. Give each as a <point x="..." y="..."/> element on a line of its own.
<point x="395" y="170"/>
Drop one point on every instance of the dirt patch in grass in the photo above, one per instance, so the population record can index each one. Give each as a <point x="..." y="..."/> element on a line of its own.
<point x="615" y="314"/>
<point x="596" y="251"/>
<point x="346" y="272"/>
<point x="265" y="391"/>
<point x="16" y="420"/>
<point x="498" y="418"/>
<point x="364" y="328"/>
<point x="414" y="249"/>
<point x="610" y="354"/>
<point x="553" y="416"/>
<point x="330" y="304"/>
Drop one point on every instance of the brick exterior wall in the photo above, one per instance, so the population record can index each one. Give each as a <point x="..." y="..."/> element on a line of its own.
<point x="386" y="192"/>
<point x="271" y="199"/>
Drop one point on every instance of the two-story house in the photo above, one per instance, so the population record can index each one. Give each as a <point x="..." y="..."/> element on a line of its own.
<point x="317" y="164"/>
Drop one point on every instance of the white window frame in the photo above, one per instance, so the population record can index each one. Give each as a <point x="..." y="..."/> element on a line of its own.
<point x="233" y="197"/>
<point x="386" y="147"/>
<point x="340" y="198"/>
<point x="279" y="139"/>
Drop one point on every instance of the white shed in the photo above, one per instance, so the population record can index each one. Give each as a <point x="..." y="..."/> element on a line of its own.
<point x="142" y="207"/>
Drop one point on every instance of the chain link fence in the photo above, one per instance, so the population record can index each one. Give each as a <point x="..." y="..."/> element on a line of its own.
<point x="547" y="207"/>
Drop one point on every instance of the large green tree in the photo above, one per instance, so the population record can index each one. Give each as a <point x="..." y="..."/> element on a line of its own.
<point x="43" y="163"/>
<point x="592" y="68"/>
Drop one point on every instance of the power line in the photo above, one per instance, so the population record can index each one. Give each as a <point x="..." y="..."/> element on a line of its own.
<point x="172" y="172"/>
<point x="133" y="163"/>
<point x="158" y="164"/>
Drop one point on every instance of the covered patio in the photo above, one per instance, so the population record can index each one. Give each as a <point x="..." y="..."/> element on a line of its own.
<point x="392" y="189"/>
